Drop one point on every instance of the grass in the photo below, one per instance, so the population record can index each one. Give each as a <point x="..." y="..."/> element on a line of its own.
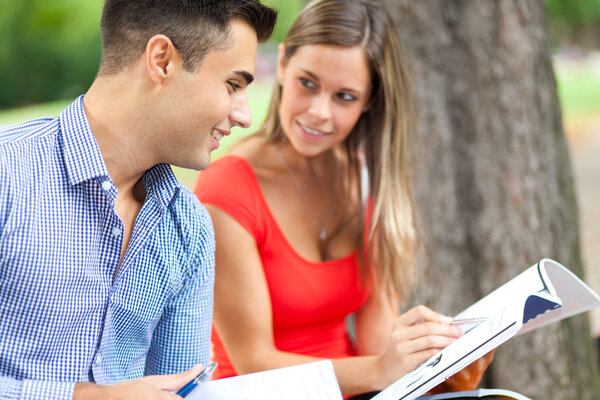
<point x="16" y="115"/>
<point x="579" y="89"/>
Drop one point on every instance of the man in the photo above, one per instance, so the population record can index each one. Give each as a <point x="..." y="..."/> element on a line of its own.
<point x="106" y="261"/>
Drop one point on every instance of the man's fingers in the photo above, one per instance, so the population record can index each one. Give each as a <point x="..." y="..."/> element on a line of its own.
<point x="175" y="381"/>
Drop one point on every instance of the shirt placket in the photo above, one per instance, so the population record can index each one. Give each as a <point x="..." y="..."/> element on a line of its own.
<point x="104" y="368"/>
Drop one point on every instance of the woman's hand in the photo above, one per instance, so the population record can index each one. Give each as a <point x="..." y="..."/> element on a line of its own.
<point x="468" y="378"/>
<point x="417" y="335"/>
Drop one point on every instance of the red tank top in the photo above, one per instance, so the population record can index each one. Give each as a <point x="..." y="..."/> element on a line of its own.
<point x="309" y="300"/>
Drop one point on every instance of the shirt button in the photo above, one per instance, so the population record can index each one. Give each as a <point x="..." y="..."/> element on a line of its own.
<point x="98" y="360"/>
<point x="116" y="231"/>
<point x="106" y="185"/>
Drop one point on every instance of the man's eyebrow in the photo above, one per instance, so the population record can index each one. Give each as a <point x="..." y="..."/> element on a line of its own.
<point x="247" y="76"/>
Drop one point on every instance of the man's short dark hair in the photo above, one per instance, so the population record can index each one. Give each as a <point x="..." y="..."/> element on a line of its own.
<point x="194" y="27"/>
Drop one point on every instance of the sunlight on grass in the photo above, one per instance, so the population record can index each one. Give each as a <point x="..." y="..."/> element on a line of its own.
<point x="259" y="94"/>
<point x="578" y="87"/>
<point x="22" y="114"/>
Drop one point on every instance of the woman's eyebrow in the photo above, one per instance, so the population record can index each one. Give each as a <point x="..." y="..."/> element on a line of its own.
<point x="313" y="76"/>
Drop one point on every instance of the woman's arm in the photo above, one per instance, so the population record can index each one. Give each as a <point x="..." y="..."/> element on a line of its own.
<point x="374" y="323"/>
<point x="243" y="319"/>
<point x="242" y="311"/>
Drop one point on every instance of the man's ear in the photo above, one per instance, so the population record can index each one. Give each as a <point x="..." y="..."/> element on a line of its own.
<point x="161" y="58"/>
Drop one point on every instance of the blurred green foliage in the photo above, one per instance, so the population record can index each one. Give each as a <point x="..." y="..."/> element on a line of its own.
<point x="285" y="15"/>
<point x="573" y="12"/>
<point x="574" y="21"/>
<point x="50" y="49"/>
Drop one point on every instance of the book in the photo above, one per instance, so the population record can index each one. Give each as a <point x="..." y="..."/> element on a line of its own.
<point x="544" y="293"/>
<point x="486" y="394"/>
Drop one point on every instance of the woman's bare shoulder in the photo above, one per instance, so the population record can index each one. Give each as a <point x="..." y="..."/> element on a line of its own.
<point x="258" y="153"/>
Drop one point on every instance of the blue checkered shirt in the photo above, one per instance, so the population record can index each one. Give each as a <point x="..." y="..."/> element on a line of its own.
<point x="63" y="318"/>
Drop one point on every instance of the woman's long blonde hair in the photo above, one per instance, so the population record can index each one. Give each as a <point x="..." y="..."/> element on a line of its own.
<point x="381" y="132"/>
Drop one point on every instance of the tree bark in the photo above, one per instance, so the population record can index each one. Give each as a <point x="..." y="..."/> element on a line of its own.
<point x="492" y="178"/>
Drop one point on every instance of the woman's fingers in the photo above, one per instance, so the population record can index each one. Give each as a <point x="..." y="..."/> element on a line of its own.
<point x="415" y="324"/>
<point x="417" y="335"/>
<point x="423" y="342"/>
<point x="421" y="314"/>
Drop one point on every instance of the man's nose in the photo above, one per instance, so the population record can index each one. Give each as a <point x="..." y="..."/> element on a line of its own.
<point x="240" y="114"/>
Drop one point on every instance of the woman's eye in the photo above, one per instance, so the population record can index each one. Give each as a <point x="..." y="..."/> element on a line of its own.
<point x="307" y="83"/>
<point x="346" y="97"/>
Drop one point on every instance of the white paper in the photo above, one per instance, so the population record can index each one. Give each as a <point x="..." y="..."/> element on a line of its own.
<point x="312" y="381"/>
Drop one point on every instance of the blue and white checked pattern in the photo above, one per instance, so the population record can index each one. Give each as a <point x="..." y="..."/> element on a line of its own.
<point x="63" y="319"/>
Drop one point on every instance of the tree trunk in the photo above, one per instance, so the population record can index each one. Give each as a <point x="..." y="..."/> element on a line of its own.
<point x="492" y="177"/>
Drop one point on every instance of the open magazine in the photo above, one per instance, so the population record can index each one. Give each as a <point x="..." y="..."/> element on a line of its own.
<point x="544" y="293"/>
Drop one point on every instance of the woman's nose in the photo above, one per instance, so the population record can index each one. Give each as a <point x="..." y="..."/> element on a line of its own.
<point x="320" y="107"/>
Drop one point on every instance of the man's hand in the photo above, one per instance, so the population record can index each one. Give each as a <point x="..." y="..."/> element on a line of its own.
<point x="155" y="387"/>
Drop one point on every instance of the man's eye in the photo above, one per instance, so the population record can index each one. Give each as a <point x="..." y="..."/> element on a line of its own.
<point x="234" y="86"/>
<point x="307" y="83"/>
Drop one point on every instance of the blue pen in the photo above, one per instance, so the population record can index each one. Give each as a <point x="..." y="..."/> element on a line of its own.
<point x="191" y="385"/>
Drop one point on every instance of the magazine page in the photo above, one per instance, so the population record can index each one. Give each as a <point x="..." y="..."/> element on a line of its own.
<point x="576" y="297"/>
<point x="516" y="291"/>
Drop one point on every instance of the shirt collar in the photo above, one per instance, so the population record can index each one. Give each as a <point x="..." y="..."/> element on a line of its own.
<point x="160" y="182"/>
<point x="82" y="156"/>
<point x="84" y="161"/>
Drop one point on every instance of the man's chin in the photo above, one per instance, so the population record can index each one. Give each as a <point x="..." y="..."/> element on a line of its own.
<point x="196" y="165"/>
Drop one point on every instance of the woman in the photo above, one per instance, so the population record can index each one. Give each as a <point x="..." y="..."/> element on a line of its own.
<point x="313" y="214"/>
